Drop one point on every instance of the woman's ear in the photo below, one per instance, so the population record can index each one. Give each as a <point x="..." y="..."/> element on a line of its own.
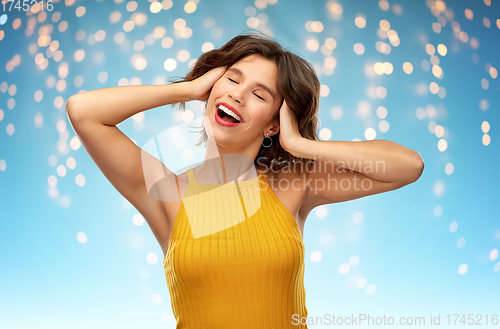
<point x="275" y="128"/>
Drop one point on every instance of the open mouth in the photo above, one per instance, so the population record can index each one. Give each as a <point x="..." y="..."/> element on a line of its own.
<point x="226" y="117"/>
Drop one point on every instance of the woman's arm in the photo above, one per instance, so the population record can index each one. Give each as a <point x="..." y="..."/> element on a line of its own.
<point x="346" y="170"/>
<point x="381" y="160"/>
<point x="350" y="170"/>
<point x="112" y="105"/>
<point x="94" y="115"/>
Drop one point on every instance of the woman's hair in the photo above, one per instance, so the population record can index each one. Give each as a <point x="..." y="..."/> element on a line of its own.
<point x="297" y="84"/>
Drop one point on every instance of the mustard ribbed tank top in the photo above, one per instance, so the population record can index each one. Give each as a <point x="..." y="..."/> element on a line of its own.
<point x="235" y="258"/>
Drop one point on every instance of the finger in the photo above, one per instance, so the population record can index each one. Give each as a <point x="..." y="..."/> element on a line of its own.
<point x="218" y="72"/>
<point x="285" y="105"/>
<point x="220" y="69"/>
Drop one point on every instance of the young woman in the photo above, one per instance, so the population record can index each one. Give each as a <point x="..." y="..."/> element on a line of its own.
<point x="232" y="233"/>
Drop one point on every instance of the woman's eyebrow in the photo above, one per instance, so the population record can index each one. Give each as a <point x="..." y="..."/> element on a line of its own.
<point x="261" y="85"/>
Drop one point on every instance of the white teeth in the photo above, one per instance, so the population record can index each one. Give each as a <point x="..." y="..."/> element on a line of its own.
<point x="229" y="112"/>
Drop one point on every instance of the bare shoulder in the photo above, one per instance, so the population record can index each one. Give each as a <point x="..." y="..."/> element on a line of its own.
<point x="289" y="188"/>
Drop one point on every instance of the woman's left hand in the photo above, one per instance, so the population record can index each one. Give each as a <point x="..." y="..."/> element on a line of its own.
<point x="289" y="129"/>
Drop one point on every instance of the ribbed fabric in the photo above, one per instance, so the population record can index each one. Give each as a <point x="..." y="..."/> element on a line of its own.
<point x="248" y="275"/>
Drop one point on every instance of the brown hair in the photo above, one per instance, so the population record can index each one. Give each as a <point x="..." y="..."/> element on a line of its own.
<point x="297" y="83"/>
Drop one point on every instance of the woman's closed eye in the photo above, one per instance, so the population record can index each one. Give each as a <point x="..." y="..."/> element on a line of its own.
<point x="237" y="82"/>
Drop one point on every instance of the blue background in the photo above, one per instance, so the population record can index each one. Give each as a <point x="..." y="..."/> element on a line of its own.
<point x="406" y="250"/>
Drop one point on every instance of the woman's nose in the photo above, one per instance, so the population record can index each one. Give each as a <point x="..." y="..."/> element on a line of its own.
<point x="236" y="94"/>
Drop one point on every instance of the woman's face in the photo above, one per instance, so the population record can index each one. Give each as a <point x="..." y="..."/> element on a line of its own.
<point x="249" y="89"/>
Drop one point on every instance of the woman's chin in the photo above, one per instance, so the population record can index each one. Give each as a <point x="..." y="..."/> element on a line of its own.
<point x="224" y="139"/>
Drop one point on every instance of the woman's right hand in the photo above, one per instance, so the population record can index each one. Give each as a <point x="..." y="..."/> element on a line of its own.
<point x="201" y="86"/>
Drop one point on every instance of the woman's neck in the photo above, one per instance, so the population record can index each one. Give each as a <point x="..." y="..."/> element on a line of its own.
<point x="222" y="166"/>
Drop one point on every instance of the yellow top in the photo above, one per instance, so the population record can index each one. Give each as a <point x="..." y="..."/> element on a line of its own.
<point x="247" y="272"/>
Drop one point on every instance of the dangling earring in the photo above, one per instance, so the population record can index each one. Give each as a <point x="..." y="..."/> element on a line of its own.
<point x="269" y="140"/>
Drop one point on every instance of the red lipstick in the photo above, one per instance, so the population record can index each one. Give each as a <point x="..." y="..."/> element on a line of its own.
<point x="225" y="123"/>
<point x="232" y="109"/>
